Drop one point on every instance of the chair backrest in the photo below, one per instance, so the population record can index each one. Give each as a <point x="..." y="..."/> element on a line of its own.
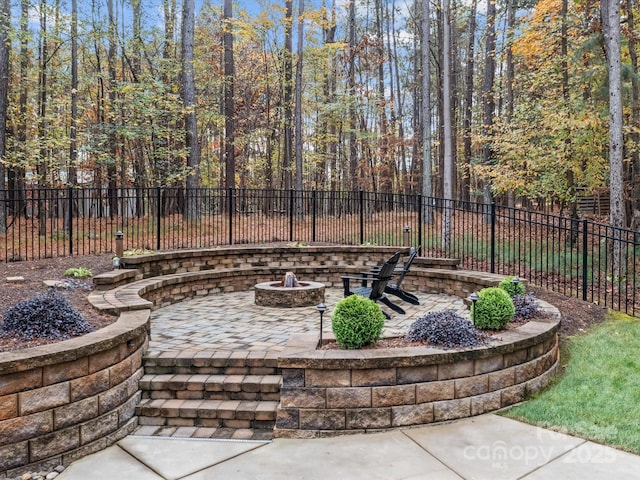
<point x="407" y="265"/>
<point x="380" y="281"/>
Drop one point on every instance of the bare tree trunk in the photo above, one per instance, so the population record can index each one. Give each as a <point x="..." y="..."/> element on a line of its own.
<point x="393" y="53"/>
<point x="16" y="174"/>
<point x="447" y="174"/>
<point x="191" y="211"/>
<point x="635" y="113"/>
<point x="427" y="161"/>
<point x="456" y="100"/>
<point x="270" y="128"/>
<point x="140" y="176"/>
<point x="511" y="19"/>
<point x="112" y="193"/>
<point x="168" y="50"/>
<point x="162" y="143"/>
<point x="72" y="176"/>
<point x="564" y="52"/>
<point x="298" y="100"/>
<point x="5" y="45"/>
<point x="287" y="89"/>
<point x="298" y="109"/>
<point x="351" y="86"/>
<point x="387" y="171"/>
<point x="229" y="102"/>
<point x="329" y="90"/>
<point x="73" y="140"/>
<point x="468" y="102"/>
<point x="488" y="100"/>
<point x="610" y="15"/>
<point x="41" y="166"/>
<point x="439" y="143"/>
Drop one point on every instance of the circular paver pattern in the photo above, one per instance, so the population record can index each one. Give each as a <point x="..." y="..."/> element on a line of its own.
<point x="232" y="321"/>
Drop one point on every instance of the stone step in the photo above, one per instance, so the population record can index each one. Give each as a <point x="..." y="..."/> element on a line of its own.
<point x="234" y="414"/>
<point x="218" y="362"/>
<point x="199" y="433"/>
<point x="211" y="387"/>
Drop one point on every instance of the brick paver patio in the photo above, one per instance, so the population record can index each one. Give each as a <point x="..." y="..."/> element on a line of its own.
<point x="233" y="322"/>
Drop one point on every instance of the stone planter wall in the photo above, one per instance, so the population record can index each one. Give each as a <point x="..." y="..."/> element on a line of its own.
<point x="332" y="392"/>
<point x="63" y="401"/>
<point x="281" y="259"/>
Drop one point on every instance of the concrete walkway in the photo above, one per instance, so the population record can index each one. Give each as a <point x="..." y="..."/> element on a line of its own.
<point x="485" y="447"/>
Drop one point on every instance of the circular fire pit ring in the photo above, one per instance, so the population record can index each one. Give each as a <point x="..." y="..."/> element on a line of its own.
<point x="273" y="294"/>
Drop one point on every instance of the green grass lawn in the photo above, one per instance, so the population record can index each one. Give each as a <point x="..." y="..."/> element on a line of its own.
<point x="598" y="397"/>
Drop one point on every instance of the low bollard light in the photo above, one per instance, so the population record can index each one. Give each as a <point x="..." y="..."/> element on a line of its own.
<point x="474" y="297"/>
<point x="321" y="309"/>
<point x="119" y="245"/>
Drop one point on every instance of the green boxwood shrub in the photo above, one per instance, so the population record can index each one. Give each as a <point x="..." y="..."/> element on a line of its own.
<point x="511" y="288"/>
<point x="356" y="322"/>
<point x="493" y="310"/>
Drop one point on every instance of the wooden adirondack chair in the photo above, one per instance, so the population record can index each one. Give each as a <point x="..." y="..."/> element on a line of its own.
<point x="395" y="289"/>
<point x="399" y="274"/>
<point x="373" y="284"/>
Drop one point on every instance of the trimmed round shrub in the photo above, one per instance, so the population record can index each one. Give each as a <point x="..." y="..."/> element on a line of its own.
<point x="356" y="322"/>
<point x="511" y="288"/>
<point x="493" y="310"/>
<point x="44" y="316"/>
<point x="526" y="305"/>
<point x="444" y="328"/>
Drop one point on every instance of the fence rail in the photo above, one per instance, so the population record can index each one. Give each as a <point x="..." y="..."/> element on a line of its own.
<point x="576" y="257"/>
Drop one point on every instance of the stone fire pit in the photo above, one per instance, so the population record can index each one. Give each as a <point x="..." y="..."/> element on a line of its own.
<point x="273" y="294"/>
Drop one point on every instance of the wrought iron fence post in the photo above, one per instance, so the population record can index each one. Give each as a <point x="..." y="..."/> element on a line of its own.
<point x="420" y="200"/>
<point x="230" y="201"/>
<point x="361" y="199"/>
<point x="314" y="204"/>
<point x="585" y="252"/>
<point x="159" y="217"/>
<point x="70" y="209"/>
<point x="493" y="237"/>
<point x="291" y="210"/>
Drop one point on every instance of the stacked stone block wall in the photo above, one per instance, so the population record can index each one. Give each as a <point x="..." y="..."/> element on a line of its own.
<point x="281" y="259"/>
<point x="63" y="401"/>
<point x="324" y="395"/>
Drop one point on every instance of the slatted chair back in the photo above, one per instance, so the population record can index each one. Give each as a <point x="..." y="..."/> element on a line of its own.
<point x="379" y="282"/>
<point x="407" y="265"/>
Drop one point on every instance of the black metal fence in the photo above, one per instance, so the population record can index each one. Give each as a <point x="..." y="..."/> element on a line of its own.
<point x="580" y="258"/>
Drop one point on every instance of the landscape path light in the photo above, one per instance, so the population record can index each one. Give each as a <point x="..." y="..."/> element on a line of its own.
<point x="474" y="297"/>
<point x="321" y="309"/>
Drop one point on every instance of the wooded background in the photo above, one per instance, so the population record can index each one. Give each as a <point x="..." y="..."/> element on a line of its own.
<point x="508" y="101"/>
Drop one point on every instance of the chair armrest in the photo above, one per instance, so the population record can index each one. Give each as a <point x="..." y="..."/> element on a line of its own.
<point x="346" y="283"/>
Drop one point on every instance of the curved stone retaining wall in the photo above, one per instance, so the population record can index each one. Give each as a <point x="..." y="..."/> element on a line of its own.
<point x="281" y="259"/>
<point x="330" y="392"/>
<point x="63" y="401"/>
<point x="161" y="279"/>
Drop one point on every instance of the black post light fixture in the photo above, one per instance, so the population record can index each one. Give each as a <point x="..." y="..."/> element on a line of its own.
<point x="321" y="309"/>
<point x="474" y="297"/>
<point x="407" y="235"/>
<point x="119" y="249"/>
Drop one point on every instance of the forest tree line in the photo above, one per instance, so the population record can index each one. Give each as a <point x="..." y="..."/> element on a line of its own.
<point x="507" y="100"/>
